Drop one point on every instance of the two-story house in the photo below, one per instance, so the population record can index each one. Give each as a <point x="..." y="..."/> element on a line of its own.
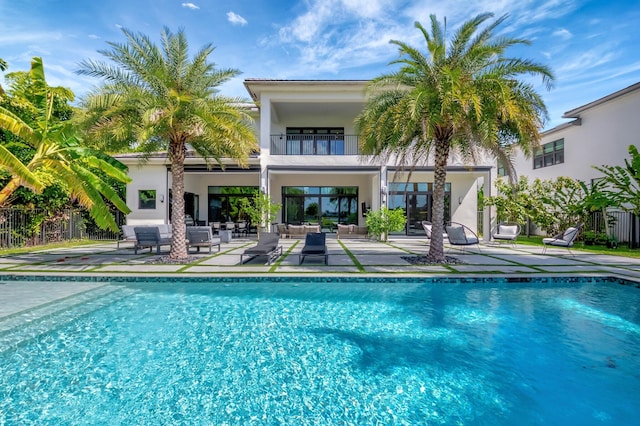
<point x="309" y="161"/>
<point x="599" y="133"/>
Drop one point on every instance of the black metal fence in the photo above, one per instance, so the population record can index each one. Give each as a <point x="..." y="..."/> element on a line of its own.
<point x="19" y="228"/>
<point x="623" y="226"/>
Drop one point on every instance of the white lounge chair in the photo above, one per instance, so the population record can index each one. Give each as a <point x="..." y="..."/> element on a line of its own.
<point x="564" y="239"/>
<point x="506" y="232"/>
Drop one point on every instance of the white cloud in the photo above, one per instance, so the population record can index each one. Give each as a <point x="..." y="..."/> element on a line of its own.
<point x="190" y="6"/>
<point x="563" y="33"/>
<point x="93" y="36"/>
<point x="236" y="19"/>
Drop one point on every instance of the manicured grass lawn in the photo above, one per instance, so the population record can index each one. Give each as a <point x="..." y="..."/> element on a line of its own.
<point x="31" y="249"/>
<point x="622" y="250"/>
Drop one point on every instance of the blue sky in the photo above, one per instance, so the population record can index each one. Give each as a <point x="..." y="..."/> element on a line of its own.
<point x="592" y="46"/>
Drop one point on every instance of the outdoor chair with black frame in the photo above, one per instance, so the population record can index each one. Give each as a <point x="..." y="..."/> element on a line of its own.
<point x="315" y="245"/>
<point x="461" y="235"/>
<point x="267" y="246"/>
<point x="506" y="232"/>
<point x="201" y="236"/>
<point x="564" y="239"/>
<point x="149" y="236"/>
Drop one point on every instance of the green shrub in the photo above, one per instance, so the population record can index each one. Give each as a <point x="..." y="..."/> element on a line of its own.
<point x="382" y="222"/>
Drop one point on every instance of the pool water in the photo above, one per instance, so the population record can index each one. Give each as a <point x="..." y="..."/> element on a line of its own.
<point x="329" y="352"/>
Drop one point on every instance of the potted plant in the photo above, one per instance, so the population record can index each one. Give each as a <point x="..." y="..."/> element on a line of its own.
<point x="383" y="221"/>
<point x="260" y="210"/>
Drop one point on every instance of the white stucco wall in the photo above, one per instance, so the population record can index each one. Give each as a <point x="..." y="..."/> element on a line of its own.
<point x="602" y="138"/>
<point x="147" y="177"/>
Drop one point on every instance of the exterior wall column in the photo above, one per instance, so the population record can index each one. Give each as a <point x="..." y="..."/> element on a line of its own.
<point x="384" y="186"/>
<point x="486" y="213"/>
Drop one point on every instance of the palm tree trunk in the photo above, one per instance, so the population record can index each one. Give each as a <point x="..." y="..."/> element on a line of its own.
<point x="436" y="248"/>
<point x="178" y="231"/>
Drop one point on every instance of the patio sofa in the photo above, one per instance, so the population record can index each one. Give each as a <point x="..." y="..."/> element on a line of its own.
<point x="299" y="231"/>
<point x="129" y="235"/>
<point x="352" y="231"/>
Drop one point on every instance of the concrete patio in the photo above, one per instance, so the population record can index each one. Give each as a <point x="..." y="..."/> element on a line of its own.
<point x="347" y="257"/>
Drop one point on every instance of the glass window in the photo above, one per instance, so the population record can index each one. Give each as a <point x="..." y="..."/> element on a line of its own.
<point x="147" y="199"/>
<point x="501" y="169"/>
<point x="325" y="205"/>
<point x="225" y="202"/>
<point x="416" y="200"/>
<point x="549" y="154"/>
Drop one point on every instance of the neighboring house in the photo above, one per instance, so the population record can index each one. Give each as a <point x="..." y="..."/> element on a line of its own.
<point x="599" y="134"/>
<point x="309" y="162"/>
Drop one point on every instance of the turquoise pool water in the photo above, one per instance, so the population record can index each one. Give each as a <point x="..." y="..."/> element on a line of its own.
<point x="327" y="352"/>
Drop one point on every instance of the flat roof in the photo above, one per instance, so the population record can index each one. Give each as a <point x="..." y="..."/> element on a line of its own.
<point x="575" y="113"/>
<point x="253" y="85"/>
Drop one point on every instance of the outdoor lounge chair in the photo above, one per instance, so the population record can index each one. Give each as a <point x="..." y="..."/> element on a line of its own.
<point x="201" y="236"/>
<point x="506" y="232"/>
<point x="267" y="246"/>
<point x="315" y="245"/>
<point x="149" y="236"/>
<point x="461" y="235"/>
<point x="565" y="239"/>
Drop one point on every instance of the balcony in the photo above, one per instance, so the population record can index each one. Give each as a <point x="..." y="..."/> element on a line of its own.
<point x="314" y="145"/>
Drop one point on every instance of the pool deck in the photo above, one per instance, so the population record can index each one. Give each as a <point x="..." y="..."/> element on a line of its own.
<point x="350" y="257"/>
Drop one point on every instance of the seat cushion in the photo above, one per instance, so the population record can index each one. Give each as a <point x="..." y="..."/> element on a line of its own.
<point x="456" y="235"/>
<point x="557" y="242"/>
<point x="507" y="230"/>
<point x="314" y="249"/>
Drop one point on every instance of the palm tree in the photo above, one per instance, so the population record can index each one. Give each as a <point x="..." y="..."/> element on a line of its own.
<point x="461" y="96"/>
<point x="58" y="155"/>
<point x="157" y="98"/>
<point x="3" y="67"/>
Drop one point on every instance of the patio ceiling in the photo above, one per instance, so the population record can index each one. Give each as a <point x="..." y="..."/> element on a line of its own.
<point x="302" y="110"/>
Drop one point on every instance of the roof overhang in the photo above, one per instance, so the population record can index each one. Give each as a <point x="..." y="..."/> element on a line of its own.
<point x="575" y="113"/>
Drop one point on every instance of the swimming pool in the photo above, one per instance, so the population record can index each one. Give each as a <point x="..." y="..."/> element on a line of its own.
<point x="327" y="351"/>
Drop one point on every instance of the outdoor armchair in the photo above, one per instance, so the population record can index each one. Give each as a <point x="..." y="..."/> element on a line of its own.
<point x="428" y="227"/>
<point x="202" y="236"/>
<point x="506" y="232"/>
<point x="461" y="235"/>
<point x="564" y="239"/>
<point x="149" y="236"/>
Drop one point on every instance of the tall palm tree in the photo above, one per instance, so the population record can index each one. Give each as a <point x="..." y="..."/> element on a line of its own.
<point x="58" y="154"/>
<point x="158" y="98"/>
<point x="460" y="96"/>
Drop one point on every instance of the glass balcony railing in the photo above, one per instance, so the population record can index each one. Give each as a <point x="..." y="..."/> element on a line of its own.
<point x="314" y="145"/>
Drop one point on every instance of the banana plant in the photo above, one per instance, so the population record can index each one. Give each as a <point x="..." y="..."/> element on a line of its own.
<point x="59" y="156"/>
